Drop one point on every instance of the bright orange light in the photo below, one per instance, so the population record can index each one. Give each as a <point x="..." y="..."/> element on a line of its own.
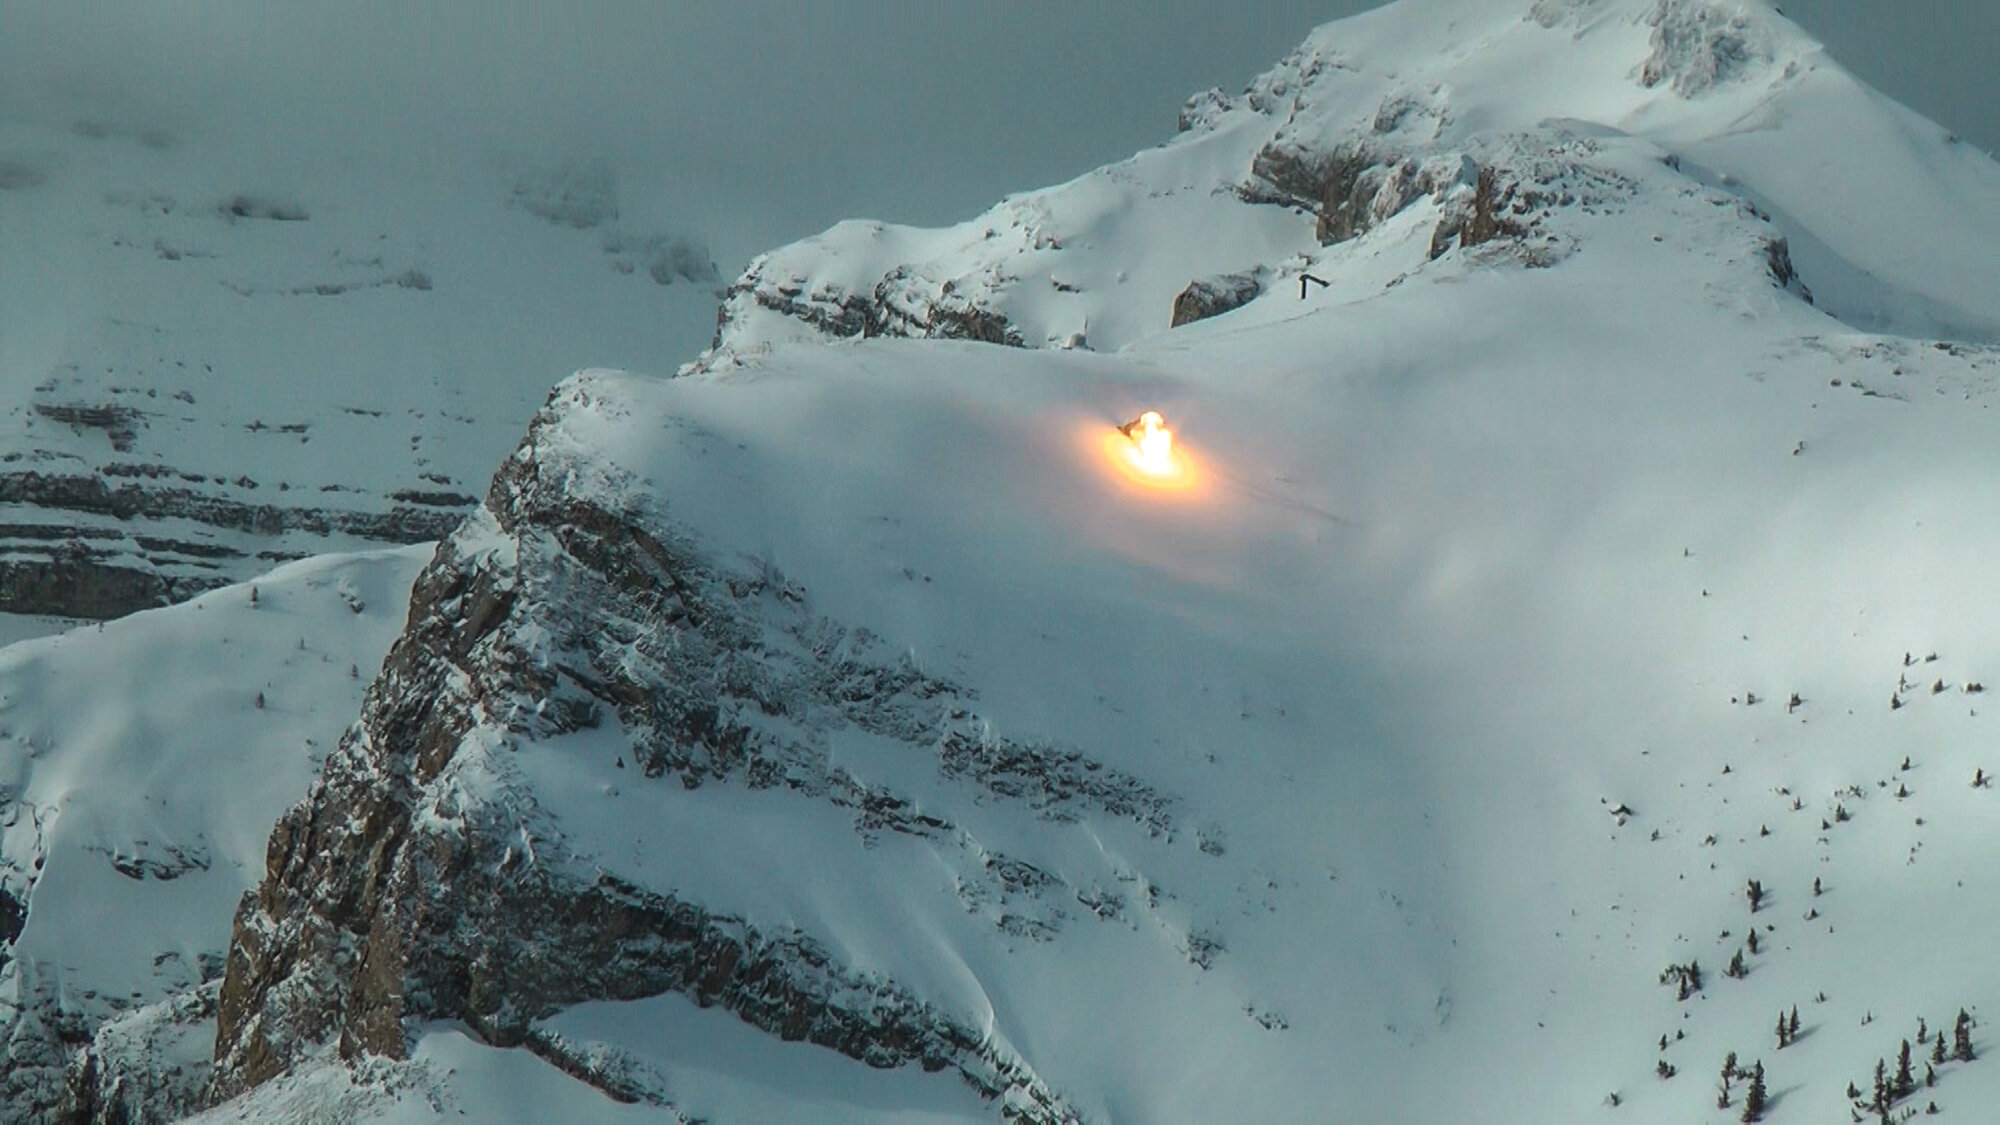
<point x="1152" y="443"/>
<point x="1143" y="451"/>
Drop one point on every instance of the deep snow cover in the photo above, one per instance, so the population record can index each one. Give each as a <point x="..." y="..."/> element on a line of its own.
<point x="141" y="763"/>
<point x="219" y="350"/>
<point x="1545" y="580"/>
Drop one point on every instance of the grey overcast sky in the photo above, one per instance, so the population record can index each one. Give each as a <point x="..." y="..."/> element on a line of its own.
<point x="753" y="122"/>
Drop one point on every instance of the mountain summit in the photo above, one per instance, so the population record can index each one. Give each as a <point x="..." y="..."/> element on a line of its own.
<point x="1557" y="656"/>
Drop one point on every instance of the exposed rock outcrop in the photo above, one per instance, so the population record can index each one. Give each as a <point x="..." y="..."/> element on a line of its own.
<point x="149" y="1065"/>
<point x="1349" y="187"/>
<point x="1213" y="296"/>
<point x="902" y="303"/>
<point x="86" y="550"/>
<point x="1699" y="44"/>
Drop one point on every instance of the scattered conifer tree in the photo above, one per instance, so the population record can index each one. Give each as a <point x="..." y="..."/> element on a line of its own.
<point x="1686" y="979"/>
<point x="1755" y="892"/>
<point x="1937" y="1049"/>
<point x="1793" y="1031"/>
<point x="1753" y="1098"/>
<point x="1905" y="1082"/>
<point x="1961" y="1038"/>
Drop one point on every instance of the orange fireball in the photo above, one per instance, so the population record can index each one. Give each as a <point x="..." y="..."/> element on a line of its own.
<point x="1143" y="452"/>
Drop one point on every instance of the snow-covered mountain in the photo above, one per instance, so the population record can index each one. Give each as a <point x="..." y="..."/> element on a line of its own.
<point x="214" y="358"/>
<point x="141" y="764"/>
<point x="1571" y="577"/>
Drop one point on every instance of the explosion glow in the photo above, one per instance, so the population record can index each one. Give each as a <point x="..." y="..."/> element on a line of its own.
<point x="1152" y="442"/>
<point x="1144" y="453"/>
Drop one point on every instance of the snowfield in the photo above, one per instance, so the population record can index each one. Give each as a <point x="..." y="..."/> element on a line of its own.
<point x="1590" y="575"/>
<point x="228" y="345"/>
<point x="141" y="764"/>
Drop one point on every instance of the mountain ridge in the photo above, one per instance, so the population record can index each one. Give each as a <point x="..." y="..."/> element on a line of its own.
<point x="1529" y="589"/>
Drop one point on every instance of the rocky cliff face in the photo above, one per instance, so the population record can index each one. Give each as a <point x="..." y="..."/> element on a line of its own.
<point x="105" y="543"/>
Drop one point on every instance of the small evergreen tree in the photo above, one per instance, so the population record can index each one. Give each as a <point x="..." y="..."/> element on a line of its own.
<point x="1755" y="893"/>
<point x="1753" y="940"/>
<point x="1961" y="1038"/>
<point x="1937" y="1049"/>
<point x="1736" y="970"/>
<point x="1880" y="1102"/>
<point x="1753" y="1098"/>
<point x="1784" y="1032"/>
<point x="1906" y="1082"/>
<point x="1794" y="1030"/>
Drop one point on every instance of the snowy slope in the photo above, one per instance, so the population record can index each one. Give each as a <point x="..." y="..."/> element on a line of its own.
<point x="1550" y="574"/>
<point x="222" y="346"/>
<point x="141" y="763"/>
<point x="1374" y="115"/>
